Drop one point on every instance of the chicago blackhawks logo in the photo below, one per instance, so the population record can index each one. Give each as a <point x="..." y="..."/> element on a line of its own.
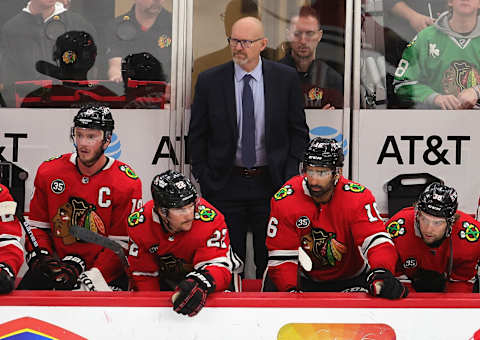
<point x="205" y="214"/>
<point x="283" y="192"/>
<point x="459" y="76"/>
<point x="136" y="218"/>
<point x="164" y="41"/>
<point x="353" y="187"/>
<point x="315" y="93"/>
<point x="77" y="212"/>
<point x="471" y="232"/>
<point x="395" y="228"/>
<point x="128" y="171"/>
<point x="53" y="158"/>
<point x="322" y="247"/>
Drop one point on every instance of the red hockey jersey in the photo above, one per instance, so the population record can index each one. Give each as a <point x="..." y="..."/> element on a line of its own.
<point x="338" y="236"/>
<point x="101" y="203"/>
<point x="11" y="250"/>
<point x="155" y="253"/>
<point x="415" y="254"/>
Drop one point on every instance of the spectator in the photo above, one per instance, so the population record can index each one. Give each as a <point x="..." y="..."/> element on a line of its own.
<point x="246" y="140"/>
<point x="331" y="226"/>
<point x="436" y="243"/>
<point x="179" y="242"/>
<point x="11" y="250"/>
<point x="30" y="36"/>
<point x="403" y="19"/>
<point x="440" y="67"/>
<point x="147" y="27"/>
<point x="322" y="85"/>
<point x="86" y="189"/>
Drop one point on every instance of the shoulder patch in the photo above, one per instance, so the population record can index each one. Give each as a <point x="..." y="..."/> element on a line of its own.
<point x="205" y="214"/>
<point x="395" y="228"/>
<point x="283" y="192"/>
<point x="354" y="187"/>
<point x="128" y="171"/>
<point x="52" y="158"/>
<point x="470" y="232"/>
<point x="136" y="218"/>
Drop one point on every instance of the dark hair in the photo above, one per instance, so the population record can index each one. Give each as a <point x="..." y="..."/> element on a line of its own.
<point x="308" y="11"/>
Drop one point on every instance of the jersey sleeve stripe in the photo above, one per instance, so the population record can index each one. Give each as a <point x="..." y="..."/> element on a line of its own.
<point x="375" y="240"/>
<point x="38" y="224"/>
<point x="14" y="242"/>
<point x="150" y="274"/>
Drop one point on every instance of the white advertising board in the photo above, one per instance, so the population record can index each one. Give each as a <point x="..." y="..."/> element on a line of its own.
<point x="442" y="143"/>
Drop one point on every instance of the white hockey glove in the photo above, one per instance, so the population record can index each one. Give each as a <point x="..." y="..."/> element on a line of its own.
<point x="92" y="281"/>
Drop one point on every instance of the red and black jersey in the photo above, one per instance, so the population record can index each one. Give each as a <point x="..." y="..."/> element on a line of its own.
<point x="338" y="236"/>
<point x="101" y="203"/>
<point x="157" y="254"/>
<point x="415" y="254"/>
<point x="11" y="250"/>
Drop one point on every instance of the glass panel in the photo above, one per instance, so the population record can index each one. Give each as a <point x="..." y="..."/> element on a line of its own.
<point x="70" y="53"/>
<point x="420" y="54"/>
<point x="310" y="39"/>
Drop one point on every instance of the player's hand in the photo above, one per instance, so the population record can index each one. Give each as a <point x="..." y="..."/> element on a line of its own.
<point x="468" y="98"/>
<point x="447" y="102"/>
<point x="382" y="283"/>
<point x="67" y="274"/>
<point x="7" y="278"/>
<point x="191" y="293"/>
<point x="328" y="107"/>
<point x="429" y="281"/>
<point x="420" y="21"/>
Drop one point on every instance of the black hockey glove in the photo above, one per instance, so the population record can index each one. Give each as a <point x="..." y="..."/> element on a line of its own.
<point x="382" y="283"/>
<point x="7" y="278"/>
<point x="191" y="293"/>
<point x="71" y="267"/>
<point x="428" y="281"/>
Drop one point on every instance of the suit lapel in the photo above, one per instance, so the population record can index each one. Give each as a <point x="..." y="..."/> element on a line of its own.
<point x="229" y="88"/>
<point x="268" y="82"/>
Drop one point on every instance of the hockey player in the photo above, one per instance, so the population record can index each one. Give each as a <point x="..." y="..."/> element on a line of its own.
<point x="11" y="250"/>
<point x="85" y="189"/>
<point x="180" y="242"/>
<point x="440" y="67"/>
<point x="330" y="226"/>
<point x="438" y="245"/>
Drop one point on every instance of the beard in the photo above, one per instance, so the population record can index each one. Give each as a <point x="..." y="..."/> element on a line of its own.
<point x="318" y="191"/>
<point x="240" y="60"/>
<point x="94" y="159"/>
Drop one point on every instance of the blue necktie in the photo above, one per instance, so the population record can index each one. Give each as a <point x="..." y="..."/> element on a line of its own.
<point x="248" y="124"/>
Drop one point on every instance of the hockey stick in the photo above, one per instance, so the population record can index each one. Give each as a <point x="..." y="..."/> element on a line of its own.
<point x="9" y="208"/>
<point x="92" y="237"/>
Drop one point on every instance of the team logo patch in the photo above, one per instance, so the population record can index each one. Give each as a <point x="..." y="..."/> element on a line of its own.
<point x="53" y="158"/>
<point x="459" y="76"/>
<point x="164" y="41"/>
<point x="205" y="214"/>
<point x="128" y="171"/>
<point x="69" y="57"/>
<point x="135" y="218"/>
<point x="323" y="248"/>
<point x="303" y="222"/>
<point x="471" y="232"/>
<point x="57" y="186"/>
<point x="353" y="187"/>
<point x="315" y="93"/>
<point x="411" y="262"/>
<point x="76" y="212"/>
<point x="283" y="192"/>
<point x="395" y="228"/>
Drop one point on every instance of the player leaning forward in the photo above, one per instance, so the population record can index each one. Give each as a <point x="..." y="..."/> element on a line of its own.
<point x="180" y="242"/>
<point x="322" y="229"/>
<point x="85" y="189"/>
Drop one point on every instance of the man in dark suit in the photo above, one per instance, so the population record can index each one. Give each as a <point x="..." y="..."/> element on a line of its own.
<point x="247" y="135"/>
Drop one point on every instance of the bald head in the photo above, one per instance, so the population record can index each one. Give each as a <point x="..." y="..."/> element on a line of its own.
<point x="248" y="25"/>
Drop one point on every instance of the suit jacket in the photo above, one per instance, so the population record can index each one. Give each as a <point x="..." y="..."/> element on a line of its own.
<point x="213" y="131"/>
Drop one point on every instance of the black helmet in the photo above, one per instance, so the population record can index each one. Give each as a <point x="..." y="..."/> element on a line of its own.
<point x="323" y="152"/>
<point x="74" y="52"/>
<point x="438" y="200"/>
<point x="142" y="66"/>
<point x="172" y="189"/>
<point x="94" y="117"/>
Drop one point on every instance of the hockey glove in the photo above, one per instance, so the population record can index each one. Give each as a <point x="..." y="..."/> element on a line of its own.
<point x="42" y="264"/>
<point x="191" y="293"/>
<point x="428" y="281"/>
<point x="92" y="280"/>
<point x="382" y="283"/>
<point x="7" y="278"/>
<point x="70" y="268"/>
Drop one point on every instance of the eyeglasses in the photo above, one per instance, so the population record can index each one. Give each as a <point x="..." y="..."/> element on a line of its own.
<point x="308" y="34"/>
<point x="244" y="43"/>
<point x="318" y="173"/>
